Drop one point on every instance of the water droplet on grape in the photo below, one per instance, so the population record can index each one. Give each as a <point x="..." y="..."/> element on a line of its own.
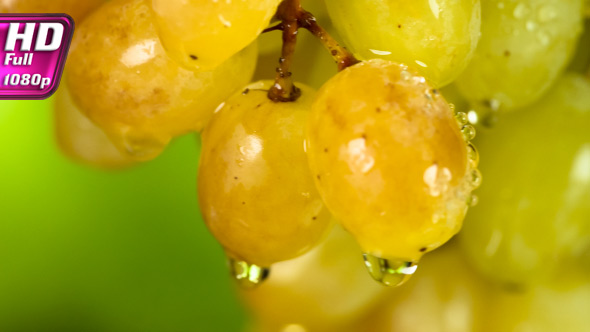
<point x="452" y="107"/>
<point x="405" y="75"/>
<point x="475" y="178"/>
<point x="247" y="275"/>
<point x="473" y="155"/>
<point x="461" y="118"/>
<point x="389" y="272"/>
<point x="473" y="200"/>
<point x="468" y="132"/>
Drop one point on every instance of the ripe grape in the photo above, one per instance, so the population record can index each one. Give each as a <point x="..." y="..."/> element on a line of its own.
<point x="326" y="289"/>
<point x="202" y="34"/>
<point x="437" y="38"/>
<point x="524" y="47"/>
<point x="390" y="162"/>
<point x="534" y="211"/>
<point x="75" y="8"/>
<point x="445" y="295"/>
<point x="122" y="79"/>
<point x="256" y="192"/>
<point x="82" y="140"/>
<point x="560" y="305"/>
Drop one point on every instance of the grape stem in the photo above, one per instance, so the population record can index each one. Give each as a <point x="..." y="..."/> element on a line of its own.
<point x="293" y="17"/>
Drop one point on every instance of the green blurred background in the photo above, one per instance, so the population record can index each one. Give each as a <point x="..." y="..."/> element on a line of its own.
<point x="88" y="250"/>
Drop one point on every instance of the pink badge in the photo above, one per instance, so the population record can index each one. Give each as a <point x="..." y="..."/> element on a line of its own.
<point x="33" y="51"/>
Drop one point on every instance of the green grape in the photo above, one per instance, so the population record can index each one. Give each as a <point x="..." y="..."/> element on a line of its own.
<point x="533" y="211"/>
<point x="561" y="305"/>
<point x="82" y="140"/>
<point x="75" y="8"/>
<point x="445" y="295"/>
<point x="202" y="34"/>
<point x="323" y="290"/>
<point x="437" y="38"/>
<point x="524" y="46"/>
<point x="391" y="163"/>
<point x="123" y="80"/>
<point x="256" y="192"/>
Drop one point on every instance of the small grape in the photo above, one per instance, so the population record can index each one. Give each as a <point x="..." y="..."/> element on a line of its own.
<point x="533" y="211"/>
<point x="390" y="163"/>
<point x="325" y="290"/>
<point x="436" y="38"/>
<point x="256" y="192"/>
<point x="202" y="34"/>
<point x="82" y="140"/>
<point x="75" y="8"/>
<point x="524" y="47"/>
<point x="122" y="79"/>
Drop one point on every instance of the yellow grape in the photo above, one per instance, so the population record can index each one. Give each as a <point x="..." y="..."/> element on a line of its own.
<point x="437" y="38"/>
<point x="256" y="192"/>
<point x="202" y="34"/>
<point x="327" y="289"/>
<point x="123" y="80"/>
<point x="445" y="295"/>
<point x="524" y="46"/>
<point x="391" y="163"/>
<point x="82" y="140"/>
<point x="75" y="8"/>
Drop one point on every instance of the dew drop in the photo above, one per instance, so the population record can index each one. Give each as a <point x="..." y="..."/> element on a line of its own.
<point x="473" y="200"/>
<point x="247" y="275"/>
<point x="475" y="178"/>
<point x="473" y="155"/>
<point x="405" y="75"/>
<point x="389" y="272"/>
<point x="461" y="118"/>
<point x="468" y="132"/>
<point x="452" y="107"/>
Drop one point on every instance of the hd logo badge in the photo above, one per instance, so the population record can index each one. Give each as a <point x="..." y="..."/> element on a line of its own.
<point x="33" y="51"/>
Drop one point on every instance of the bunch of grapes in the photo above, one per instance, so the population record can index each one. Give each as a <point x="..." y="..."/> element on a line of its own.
<point x="312" y="172"/>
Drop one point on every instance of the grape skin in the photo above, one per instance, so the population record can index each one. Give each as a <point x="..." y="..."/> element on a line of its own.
<point x="436" y="38"/>
<point x="80" y="139"/>
<point x="389" y="160"/>
<point x="123" y="80"/>
<point x="533" y="211"/>
<point x="524" y="47"/>
<point x="256" y="192"/>
<point x="202" y="34"/>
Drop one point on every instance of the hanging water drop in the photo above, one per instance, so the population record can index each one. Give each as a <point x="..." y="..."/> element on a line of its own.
<point x="473" y="155"/>
<point x="468" y="132"/>
<point x="247" y="275"/>
<point x="461" y="118"/>
<point x="389" y="272"/>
